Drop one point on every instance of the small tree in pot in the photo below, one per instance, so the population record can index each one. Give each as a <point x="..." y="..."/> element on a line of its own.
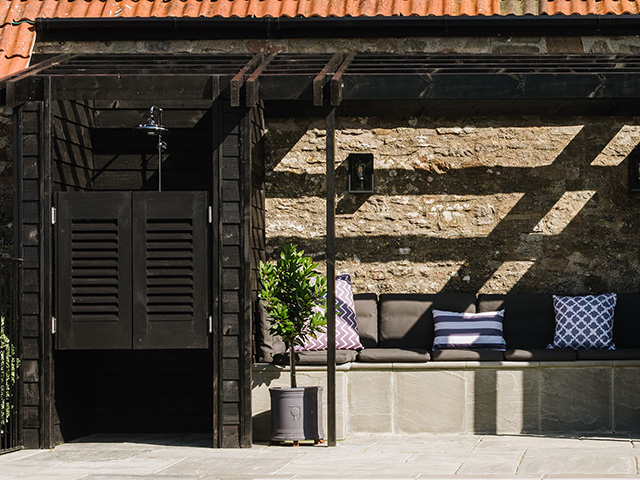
<point x="293" y="297"/>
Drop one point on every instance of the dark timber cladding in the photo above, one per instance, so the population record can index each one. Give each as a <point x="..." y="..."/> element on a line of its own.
<point x="28" y="156"/>
<point x="73" y="111"/>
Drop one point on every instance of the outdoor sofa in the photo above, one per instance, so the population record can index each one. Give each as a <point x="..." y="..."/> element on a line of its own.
<point x="399" y="328"/>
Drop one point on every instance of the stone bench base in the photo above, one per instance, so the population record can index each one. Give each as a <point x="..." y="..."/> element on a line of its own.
<point x="588" y="397"/>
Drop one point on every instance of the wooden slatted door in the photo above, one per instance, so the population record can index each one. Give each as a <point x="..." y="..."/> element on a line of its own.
<point x="93" y="280"/>
<point x="132" y="270"/>
<point x="170" y="270"/>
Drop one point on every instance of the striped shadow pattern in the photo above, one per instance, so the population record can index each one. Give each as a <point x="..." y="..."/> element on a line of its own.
<point x="468" y="330"/>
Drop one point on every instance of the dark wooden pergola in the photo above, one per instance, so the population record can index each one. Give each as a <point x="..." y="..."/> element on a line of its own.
<point x="325" y="85"/>
<point x="330" y="79"/>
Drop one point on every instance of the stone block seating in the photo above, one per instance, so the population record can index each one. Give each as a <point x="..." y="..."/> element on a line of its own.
<point x="399" y="384"/>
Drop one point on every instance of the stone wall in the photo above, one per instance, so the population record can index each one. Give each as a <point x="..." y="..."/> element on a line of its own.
<point x="476" y="204"/>
<point x="495" y="44"/>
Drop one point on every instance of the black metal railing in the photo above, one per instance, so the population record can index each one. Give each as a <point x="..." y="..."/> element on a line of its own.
<point x="10" y="351"/>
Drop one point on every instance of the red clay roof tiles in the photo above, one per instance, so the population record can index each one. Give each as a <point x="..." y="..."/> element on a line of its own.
<point x="16" y="40"/>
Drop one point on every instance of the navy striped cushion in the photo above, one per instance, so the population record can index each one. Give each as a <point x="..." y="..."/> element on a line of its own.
<point x="468" y="330"/>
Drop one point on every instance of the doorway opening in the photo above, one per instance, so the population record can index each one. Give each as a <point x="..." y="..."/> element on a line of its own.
<point x="132" y="270"/>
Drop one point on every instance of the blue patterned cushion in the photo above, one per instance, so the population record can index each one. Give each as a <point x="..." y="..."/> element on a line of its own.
<point x="584" y="322"/>
<point x="468" y="330"/>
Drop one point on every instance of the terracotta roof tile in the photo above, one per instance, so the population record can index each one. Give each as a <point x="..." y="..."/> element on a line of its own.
<point x="16" y="41"/>
<point x="589" y="7"/>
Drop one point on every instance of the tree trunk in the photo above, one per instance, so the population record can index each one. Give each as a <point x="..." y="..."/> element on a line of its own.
<point x="292" y="366"/>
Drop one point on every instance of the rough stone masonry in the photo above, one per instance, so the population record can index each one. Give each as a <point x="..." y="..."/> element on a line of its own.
<point x="466" y="204"/>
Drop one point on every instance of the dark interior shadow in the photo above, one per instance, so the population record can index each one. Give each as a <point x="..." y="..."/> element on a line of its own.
<point x="151" y="393"/>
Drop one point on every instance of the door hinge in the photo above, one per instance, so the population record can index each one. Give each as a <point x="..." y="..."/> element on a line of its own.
<point x="210" y="324"/>
<point x="210" y="215"/>
<point x="53" y="215"/>
<point x="54" y="325"/>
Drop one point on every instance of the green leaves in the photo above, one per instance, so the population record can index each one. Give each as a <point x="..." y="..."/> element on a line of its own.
<point x="293" y="296"/>
<point x="9" y="364"/>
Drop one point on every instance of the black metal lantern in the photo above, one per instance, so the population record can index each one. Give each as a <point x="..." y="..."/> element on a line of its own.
<point x="360" y="172"/>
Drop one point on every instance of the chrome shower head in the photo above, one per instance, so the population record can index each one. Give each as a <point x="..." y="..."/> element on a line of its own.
<point x="151" y="127"/>
<point x="154" y="129"/>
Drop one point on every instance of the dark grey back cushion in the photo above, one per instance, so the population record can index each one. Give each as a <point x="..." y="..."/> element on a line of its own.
<point x="529" y="318"/>
<point x="626" y="320"/>
<point x="367" y="318"/>
<point x="268" y="346"/>
<point x="406" y="320"/>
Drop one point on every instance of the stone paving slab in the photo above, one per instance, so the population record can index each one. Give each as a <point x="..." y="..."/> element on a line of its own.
<point x="604" y="464"/>
<point x="366" y="457"/>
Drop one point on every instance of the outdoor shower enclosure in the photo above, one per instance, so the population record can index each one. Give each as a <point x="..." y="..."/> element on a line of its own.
<point x="135" y="307"/>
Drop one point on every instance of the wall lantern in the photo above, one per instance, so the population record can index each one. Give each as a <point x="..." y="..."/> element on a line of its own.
<point x="634" y="173"/>
<point x="360" y="172"/>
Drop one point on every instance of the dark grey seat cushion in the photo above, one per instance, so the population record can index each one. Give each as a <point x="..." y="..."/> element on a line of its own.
<point x="539" y="355"/>
<point x="406" y="321"/>
<point x="391" y="355"/>
<point x="316" y="357"/>
<point x="617" y="354"/>
<point x="529" y="318"/>
<point x="459" y="354"/>
<point x="367" y="318"/>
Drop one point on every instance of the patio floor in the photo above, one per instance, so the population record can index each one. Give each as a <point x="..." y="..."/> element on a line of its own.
<point x="186" y="457"/>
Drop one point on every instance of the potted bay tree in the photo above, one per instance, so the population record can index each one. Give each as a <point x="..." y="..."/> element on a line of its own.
<point x="293" y="295"/>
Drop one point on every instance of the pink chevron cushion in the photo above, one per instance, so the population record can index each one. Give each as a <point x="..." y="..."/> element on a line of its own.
<point x="347" y="337"/>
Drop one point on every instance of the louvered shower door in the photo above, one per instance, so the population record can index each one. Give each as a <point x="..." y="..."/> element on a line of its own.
<point x="170" y="270"/>
<point x="93" y="279"/>
<point x="131" y="270"/>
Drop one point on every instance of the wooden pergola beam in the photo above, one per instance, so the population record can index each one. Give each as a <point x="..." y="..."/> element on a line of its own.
<point x="321" y="79"/>
<point x="354" y="77"/>
<point x="238" y="80"/>
<point x="253" y="92"/>
<point x="11" y="82"/>
<point x="336" y="81"/>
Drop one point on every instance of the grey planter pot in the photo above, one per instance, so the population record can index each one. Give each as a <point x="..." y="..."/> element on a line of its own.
<point x="296" y="414"/>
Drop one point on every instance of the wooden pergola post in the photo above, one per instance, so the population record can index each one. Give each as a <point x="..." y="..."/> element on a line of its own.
<point x="331" y="276"/>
